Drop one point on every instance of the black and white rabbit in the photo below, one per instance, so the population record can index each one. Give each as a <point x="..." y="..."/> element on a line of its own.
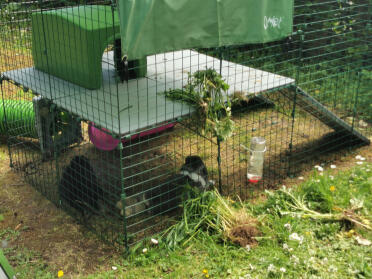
<point x="193" y="172"/>
<point x="168" y="196"/>
<point x="78" y="186"/>
<point x="196" y="173"/>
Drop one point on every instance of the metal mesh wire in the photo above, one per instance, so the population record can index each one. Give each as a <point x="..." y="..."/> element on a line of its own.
<point x="110" y="145"/>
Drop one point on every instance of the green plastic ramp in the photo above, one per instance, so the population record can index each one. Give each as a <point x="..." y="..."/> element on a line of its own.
<point x="319" y="111"/>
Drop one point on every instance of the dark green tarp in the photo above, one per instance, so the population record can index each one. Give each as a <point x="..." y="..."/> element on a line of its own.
<point x="155" y="26"/>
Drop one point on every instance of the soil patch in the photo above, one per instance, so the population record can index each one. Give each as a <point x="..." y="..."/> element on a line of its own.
<point x="244" y="235"/>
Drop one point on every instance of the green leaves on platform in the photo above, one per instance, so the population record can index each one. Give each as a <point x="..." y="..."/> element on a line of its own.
<point x="206" y="91"/>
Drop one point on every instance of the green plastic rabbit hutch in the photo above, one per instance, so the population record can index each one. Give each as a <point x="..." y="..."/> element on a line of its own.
<point x="69" y="43"/>
<point x="104" y="142"/>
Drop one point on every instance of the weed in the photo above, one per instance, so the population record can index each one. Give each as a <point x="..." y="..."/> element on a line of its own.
<point x="206" y="91"/>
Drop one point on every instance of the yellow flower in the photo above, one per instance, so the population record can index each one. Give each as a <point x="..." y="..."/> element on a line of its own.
<point x="205" y="271"/>
<point x="207" y="275"/>
<point x="332" y="188"/>
<point x="307" y="233"/>
<point x="60" y="273"/>
<point x="350" y="233"/>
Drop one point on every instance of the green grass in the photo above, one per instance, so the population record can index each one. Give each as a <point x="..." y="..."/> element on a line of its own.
<point x="329" y="248"/>
<point x="30" y="264"/>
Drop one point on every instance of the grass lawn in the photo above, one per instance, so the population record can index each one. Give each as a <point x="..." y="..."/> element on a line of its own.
<point x="318" y="228"/>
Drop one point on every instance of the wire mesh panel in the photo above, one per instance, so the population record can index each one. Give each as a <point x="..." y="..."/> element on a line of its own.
<point x="101" y="136"/>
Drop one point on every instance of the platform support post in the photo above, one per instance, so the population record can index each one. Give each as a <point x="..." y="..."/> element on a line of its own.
<point x="123" y="197"/>
<point x="293" y="114"/>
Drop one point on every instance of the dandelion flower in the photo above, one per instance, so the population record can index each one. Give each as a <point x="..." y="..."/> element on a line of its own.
<point x="205" y="271"/>
<point x="333" y="166"/>
<point x="206" y="275"/>
<point x="350" y="233"/>
<point x="282" y="269"/>
<point x="332" y="188"/>
<point x="144" y="250"/>
<point x="307" y="233"/>
<point x="60" y="273"/>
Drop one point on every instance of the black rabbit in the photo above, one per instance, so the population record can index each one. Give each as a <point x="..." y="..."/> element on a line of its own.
<point x="78" y="186"/>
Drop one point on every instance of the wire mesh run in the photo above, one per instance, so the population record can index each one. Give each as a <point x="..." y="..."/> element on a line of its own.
<point x="97" y="135"/>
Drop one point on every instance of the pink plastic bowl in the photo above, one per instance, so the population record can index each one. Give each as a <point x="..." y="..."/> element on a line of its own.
<point x="102" y="139"/>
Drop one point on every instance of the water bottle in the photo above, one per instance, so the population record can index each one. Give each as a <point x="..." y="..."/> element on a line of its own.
<point x="256" y="160"/>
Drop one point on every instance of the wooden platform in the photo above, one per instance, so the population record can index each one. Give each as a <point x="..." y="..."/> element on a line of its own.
<point x="135" y="105"/>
